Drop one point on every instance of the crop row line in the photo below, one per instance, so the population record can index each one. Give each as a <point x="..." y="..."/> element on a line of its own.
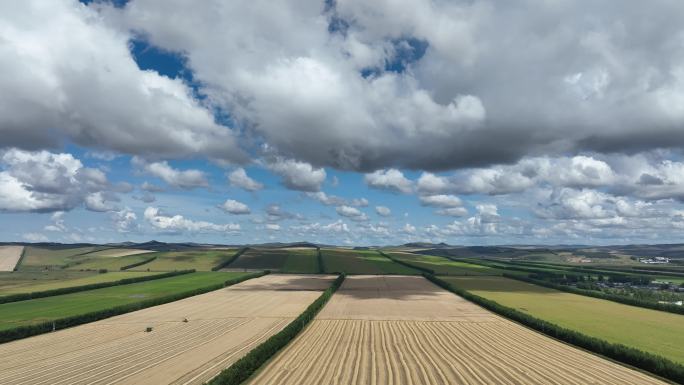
<point x="243" y="368"/>
<point x="652" y="363"/>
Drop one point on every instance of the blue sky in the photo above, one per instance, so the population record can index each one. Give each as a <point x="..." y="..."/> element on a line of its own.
<point x="341" y="122"/>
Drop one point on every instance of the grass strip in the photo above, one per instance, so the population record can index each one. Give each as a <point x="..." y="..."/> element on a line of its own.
<point x="243" y="368"/>
<point x="63" y="323"/>
<point x="143" y="262"/>
<point x="92" y="286"/>
<point x="652" y="363"/>
<point x="407" y="264"/>
<point x="230" y="260"/>
<point x="606" y="296"/>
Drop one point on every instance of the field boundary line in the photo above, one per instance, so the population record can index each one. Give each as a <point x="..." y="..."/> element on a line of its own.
<point x="75" y="289"/>
<point x="654" y="364"/>
<point x="67" y="322"/>
<point x="233" y="258"/>
<point x="243" y="368"/>
<point x="321" y="264"/>
<point x="143" y="262"/>
<point x="407" y="264"/>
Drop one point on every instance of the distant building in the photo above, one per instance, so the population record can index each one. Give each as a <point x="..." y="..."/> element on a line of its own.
<point x="655" y="260"/>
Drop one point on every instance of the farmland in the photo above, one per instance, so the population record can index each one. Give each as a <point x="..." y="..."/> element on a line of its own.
<point x="649" y="330"/>
<point x="361" y="262"/>
<point x="9" y="257"/>
<point x="53" y="257"/>
<point x="19" y="282"/>
<point x="221" y="326"/>
<point x="444" y="266"/>
<point x="200" y="260"/>
<point x="45" y="309"/>
<point x="286" y="260"/>
<point x="402" y="330"/>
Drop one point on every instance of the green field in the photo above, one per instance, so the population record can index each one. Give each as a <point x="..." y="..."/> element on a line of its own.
<point x="282" y="260"/>
<point x="27" y="282"/>
<point x="200" y="260"/>
<point x="362" y="262"/>
<point x="444" y="266"/>
<point x="648" y="330"/>
<point x="54" y="257"/>
<point x="111" y="263"/>
<point x="44" y="309"/>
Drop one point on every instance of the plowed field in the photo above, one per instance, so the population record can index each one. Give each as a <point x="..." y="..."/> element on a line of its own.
<point x="221" y="327"/>
<point x="404" y="330"/>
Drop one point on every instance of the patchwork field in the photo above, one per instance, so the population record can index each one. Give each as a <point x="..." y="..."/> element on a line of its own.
<point x="54" y="257"/>
<point x="361" y="262"/>
<point x="200" y="260"/>
<point x="286" y="260"/>
<point x="44" y="309"/>
<point x="221" y="327"/>
<point x="444" y="266"/>
<point x="404" y="330"/>
<point x="11" y="286"/>
<point x="649" y="330"/>
<point x="9" y="257"/>
<point x="111" y="263"/>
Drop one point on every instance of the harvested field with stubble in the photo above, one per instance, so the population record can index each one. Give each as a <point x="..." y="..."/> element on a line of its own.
<point x="405" y="330"/>
<point x="9" y="256"/>
<point x="221" y="327"/>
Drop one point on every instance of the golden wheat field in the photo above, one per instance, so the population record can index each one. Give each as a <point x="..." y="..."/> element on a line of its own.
<point x="221" y="327"/>
<point x="9" y="257"/>
<point x="405" y="330"/>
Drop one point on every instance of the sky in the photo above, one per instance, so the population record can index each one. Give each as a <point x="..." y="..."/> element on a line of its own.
<point x="343" y="122"/>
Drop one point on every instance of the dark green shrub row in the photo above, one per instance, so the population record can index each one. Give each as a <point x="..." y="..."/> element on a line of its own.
<point x="601" y="295"/>
<point x="63" y="323"/>
<point x="143" y="262"/>
<point x="21" y="259"/>
<point x="230" y="260"/>
<point x="321" y="265"/>
<point x="407" y="264"/>
<point x="75" y="289"/>
<point x="655" y="364"/>
<point x="247" y="365"/>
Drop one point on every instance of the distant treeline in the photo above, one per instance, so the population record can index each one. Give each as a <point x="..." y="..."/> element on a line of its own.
<point x="601" y="295"/>
<point x="243" y="368"/>
<point x="63" y="323"/>
<point x="230" y="260"/>
<point x="75" y="289"/>
<point x="655" y="364"/>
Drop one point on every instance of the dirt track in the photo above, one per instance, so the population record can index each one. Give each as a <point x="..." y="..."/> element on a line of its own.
<point x="222" y="326"/>
<point x="428" y="336"/>
<point x="9" y="256"/>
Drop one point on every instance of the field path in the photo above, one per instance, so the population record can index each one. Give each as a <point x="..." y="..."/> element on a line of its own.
<point x="222" y="326"/>
<point x="9" y="257"/>
<point x="405" y="330"/>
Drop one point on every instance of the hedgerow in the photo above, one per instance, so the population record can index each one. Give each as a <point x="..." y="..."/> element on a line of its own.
<point x="143" y="262"/>
<point x="247" y="365"/>
<point x="321" y="265"/>
<point x="230" y="260"/>
<point x="63" y="323"/>
<point x="655" y="364"/>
